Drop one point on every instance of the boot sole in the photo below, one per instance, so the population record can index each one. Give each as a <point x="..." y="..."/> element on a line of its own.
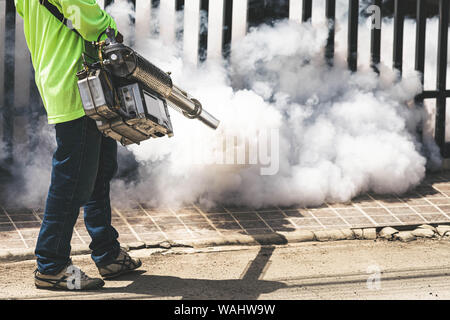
<point x="88" y="288"/>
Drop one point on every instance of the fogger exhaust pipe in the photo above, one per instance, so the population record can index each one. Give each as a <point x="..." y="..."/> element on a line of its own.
<point x="124" y="62"/>
<point x="190" y="107"/>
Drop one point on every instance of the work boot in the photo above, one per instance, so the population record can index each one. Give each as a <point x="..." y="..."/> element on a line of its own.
<point x="70" y="278"/>
<point x="123" y="264"/>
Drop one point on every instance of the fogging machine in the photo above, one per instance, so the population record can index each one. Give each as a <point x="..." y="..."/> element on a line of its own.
<point x="128" y="96"/>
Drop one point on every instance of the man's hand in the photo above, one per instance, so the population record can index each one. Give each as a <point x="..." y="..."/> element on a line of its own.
<point x="119" y="37"/>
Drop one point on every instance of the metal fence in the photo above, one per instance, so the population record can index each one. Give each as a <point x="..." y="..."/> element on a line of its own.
<point x="228" y="21"/>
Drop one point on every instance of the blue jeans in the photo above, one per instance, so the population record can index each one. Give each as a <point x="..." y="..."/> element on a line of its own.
<point x="83" y="165"/>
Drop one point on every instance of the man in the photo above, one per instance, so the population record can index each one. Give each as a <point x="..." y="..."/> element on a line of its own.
<point x="84" y="161"/>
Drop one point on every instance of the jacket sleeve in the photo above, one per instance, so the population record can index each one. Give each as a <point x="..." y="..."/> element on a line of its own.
<point x="86" y="16"/>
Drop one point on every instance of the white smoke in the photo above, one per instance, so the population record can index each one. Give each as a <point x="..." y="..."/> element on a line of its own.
<point x="123" y="13"/>
<point x="341" y="134"/>
<point x="31" y="167"/>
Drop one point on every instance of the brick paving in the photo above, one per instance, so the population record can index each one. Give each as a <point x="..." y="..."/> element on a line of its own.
<point x="429" y="203"/>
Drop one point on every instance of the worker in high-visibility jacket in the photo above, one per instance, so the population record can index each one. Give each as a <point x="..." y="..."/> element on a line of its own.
<point x="84" y="161"/>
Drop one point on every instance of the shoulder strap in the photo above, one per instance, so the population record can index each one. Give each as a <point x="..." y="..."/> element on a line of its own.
<point x="57" y="14"/>
<point x="88" y="47"/>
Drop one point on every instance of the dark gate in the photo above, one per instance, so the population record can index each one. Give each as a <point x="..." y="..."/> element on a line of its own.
<point x="257" y="13"/>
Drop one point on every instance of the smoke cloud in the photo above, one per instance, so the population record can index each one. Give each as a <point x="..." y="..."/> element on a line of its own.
<point x="340" y="134"/>
<point x="333" y="134"/>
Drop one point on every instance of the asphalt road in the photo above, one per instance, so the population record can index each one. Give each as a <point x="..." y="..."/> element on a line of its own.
<point x="332" y="270"/>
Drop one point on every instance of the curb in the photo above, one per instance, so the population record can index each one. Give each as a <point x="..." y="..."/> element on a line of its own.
<point x="18" y="255"/>
<point x="280" y="238"/>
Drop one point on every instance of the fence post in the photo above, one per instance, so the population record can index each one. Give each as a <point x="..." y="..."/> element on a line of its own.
<point x="353" y="21"/>
<point x="8" y="98"/>
<point x="375" y="42"/>
<point x="204" y="22"/>
<point x="143" y="16"/>
<point x="216" y="19"/>
<point x="227" y="27"/>
<point x="306" y="10"/>
<point x="420" y="38"/>
<point x="167" y="21"/>
<point x="330" y="11"/>
<point x="442" y="76"/>
<point x="240" y="15"/>
<point x="295" y="10"/>
<point x="191" y="30"/>
<point x="107" y="2"/>
<point x="399" y="21"/>
<point x="2" y="52"/>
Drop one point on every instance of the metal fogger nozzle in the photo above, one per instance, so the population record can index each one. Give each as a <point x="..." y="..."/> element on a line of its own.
<point x="124" y="62"/>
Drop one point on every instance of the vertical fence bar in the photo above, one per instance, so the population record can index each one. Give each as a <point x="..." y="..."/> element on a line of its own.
<point x="22" y="70"/>
<point x="132" y="37"/>
<point x="353" y="21"/>
<point x="240" y="17"/>
<point x="155" y="17"/>
<point x="179" y="5"/>
<point x="295" y="10"/>
<point x="216" y="17"/>
<point x="9" y="62"/>
<point x="399" y="21"/>
<point x="442" y="75"/>
<point x="191" y="39"/>
<point x="204" y="20"/>
<point x="330" y="12"/>
<point x="2" y="54"/>
<point x="167" y="21"/>
<point x="420" y="38"/>
<point x="143" y="17"/>
<point x="179" y="20"/>
<point x="128" y="28"/>
<point x="421" y="23"/>
<point x="375" y="39"/>
<point x="227" y="28"/>
<point x="306" y="10"/>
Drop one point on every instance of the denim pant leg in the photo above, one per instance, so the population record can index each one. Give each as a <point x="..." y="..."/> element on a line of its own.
<point x="97" y="212"/>
<point x="75" y="165"/>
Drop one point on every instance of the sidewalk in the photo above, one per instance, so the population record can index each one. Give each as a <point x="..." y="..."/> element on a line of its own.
<point x="139" y="226"/>
<point x="303" y="271"/>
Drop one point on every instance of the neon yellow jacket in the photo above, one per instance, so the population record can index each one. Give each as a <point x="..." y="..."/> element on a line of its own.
<point x="56" y="50"/>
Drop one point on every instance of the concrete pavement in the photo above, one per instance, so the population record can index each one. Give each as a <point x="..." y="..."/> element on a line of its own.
<point x="280" y="269"/>
<point x="332" y="270"/>
<point x="140" y="225"/>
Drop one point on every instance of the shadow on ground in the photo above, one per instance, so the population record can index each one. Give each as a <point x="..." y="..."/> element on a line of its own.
<point x="249" y="287"/>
